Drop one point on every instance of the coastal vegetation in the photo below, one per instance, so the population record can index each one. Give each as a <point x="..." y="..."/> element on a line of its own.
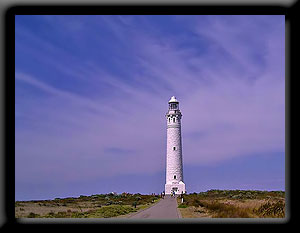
<point x="94" y="206"/>
<point x="233" y="204"/>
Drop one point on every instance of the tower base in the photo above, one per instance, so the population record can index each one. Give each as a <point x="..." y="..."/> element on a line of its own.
<point x="178" y="188"/>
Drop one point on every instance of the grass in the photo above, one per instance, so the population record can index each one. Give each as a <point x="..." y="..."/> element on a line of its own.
<point x="272" y="210"/>
<point x="95" y="206"/>
<point x="234" y="204"/>
<point x="182" y="206"/>
<point x="102" y="212"/>
<point x="226" y="211"/>
<point x="212" y="204"/>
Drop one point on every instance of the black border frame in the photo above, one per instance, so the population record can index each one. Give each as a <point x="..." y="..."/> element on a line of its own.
<point x="104" y="9"/>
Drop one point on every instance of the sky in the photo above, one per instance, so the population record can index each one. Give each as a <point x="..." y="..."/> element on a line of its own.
<point x="92" y="91"/>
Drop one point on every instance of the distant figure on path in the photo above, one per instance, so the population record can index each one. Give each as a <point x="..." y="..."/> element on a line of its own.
<point x="173" y="193"/>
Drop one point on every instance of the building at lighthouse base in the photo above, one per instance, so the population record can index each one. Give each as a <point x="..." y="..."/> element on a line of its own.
<point x="177" y="187"/>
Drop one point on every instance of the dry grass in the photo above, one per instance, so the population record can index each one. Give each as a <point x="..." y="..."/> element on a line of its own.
<point x="194" y="212"/>
<point x="233" y="204"/>
<point x="27" y="208"/>
<point x="96" y="206"/>
<point x="271" y="210"/>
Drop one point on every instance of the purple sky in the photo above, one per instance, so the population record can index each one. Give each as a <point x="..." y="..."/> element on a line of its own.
<point x="92" y="93"/>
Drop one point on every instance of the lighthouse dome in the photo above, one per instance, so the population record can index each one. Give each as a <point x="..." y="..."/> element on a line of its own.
<point x="173" y="100"/>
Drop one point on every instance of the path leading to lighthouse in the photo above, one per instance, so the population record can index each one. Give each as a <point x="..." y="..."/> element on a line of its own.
<point x="165" y="209"/>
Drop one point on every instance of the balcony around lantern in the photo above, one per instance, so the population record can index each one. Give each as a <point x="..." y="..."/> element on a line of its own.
<point x="174" y="112"/>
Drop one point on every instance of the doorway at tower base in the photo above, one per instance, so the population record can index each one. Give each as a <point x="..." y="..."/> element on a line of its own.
<point x="178" y="188"/>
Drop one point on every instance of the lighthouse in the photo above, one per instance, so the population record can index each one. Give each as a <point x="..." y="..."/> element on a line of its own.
<point x="174" y="171"/>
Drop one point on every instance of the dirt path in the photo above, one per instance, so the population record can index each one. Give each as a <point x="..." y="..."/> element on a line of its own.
<point x="165" y="209"/>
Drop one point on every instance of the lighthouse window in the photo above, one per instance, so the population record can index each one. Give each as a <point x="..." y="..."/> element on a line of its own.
<point x="173" y="106"/>
<point x="173" y="119"/>
<point x="174" y="148"/>
<point x="175" y="177"/>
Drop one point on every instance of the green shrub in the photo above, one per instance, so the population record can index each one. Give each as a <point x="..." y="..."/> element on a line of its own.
<point x="112" y="211"/>
<point x="134" y="204"/>
<point x="196" y="203"/>
<point x="182" y="205"/>
<point x="33" y="215"/>
<point x="78" y="215"/>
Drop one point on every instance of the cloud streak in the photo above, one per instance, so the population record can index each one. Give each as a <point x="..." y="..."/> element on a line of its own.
<point x="96" y="106"/>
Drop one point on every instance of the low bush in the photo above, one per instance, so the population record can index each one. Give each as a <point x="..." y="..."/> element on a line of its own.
<point x="218" y="210"/>
<point x="221" y="210"/>
<point x="113" y="211"/>
<point x="33" y="215"/>
<point x="182" y="205"/>
<point x="272" y="210"/>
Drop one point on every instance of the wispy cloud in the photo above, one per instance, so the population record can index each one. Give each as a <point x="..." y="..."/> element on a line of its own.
<point x="100" y="110"/>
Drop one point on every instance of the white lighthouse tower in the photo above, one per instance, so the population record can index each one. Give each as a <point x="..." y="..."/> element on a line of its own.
<point x="174" y="173"/>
